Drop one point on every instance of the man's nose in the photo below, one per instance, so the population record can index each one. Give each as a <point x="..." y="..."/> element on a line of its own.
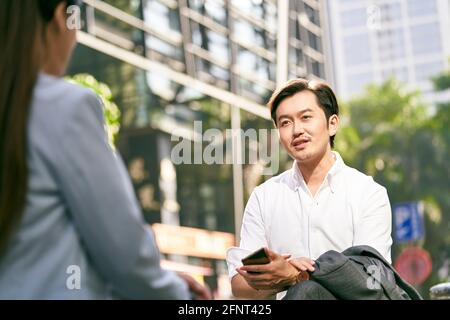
<point x="297" y="129"/>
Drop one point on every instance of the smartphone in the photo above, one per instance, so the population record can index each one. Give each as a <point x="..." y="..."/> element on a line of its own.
<point x="257" y="257"/>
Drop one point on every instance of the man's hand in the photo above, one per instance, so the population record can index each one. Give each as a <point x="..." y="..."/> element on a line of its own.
<point x="277" y="275"/>
<point x="200" y="292"/>
<point x="303" y="264"/>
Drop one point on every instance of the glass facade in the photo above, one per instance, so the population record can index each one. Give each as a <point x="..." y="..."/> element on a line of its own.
<point x="374" y="40"/>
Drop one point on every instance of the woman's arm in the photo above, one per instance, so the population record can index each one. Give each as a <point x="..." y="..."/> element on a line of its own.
<point x="101" y="201"/>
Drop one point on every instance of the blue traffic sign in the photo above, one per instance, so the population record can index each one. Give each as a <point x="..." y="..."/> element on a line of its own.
<point x="408" y="219"/>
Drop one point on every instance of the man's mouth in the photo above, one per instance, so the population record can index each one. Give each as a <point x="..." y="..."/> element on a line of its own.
<point x="300" y="143"/>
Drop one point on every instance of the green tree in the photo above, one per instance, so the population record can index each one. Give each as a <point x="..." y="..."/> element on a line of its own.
<point x="111" y="111"/>
<point x="391" y="134"/>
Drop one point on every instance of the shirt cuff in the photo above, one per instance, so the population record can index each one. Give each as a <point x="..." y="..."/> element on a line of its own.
<point x="234" y="257"/>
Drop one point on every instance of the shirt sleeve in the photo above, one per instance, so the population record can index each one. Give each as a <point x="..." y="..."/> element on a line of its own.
<point x="253" y="235"/>
<point x="101" y="201"/>
<point x="375" y="225"/>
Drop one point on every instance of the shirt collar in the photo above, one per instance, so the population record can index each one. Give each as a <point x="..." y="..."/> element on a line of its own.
<point x="330" y="177"/>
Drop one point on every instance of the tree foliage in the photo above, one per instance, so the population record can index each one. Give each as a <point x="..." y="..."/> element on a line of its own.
<point x="389" y="133"/>
<point x="111" y="111"/>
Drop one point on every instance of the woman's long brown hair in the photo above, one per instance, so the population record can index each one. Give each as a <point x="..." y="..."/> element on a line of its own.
<point x="22" y="24"/>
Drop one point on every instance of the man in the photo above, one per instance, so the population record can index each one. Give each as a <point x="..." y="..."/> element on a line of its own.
<point x="320" y="204"/>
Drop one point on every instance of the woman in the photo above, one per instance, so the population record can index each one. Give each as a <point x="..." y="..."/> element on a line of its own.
<point x="70" y="226"/>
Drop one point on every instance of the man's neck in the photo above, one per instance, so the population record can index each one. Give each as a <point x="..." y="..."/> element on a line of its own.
<point x="314" y="171"/>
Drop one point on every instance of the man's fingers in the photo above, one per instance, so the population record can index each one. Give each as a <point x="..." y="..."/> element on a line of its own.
<point x="255" y="268"/>
<point x="253" y="277"/>
<point x="298" y="265"/>
<point x="308" y="266"/>
<point x="302" y="265"/>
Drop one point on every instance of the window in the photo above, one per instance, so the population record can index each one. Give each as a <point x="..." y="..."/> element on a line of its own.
<point x="244" y="31"/>
<point x="426" y="38"/>
<point x="357" y="49"/>
<point x="211" y="41"/>
<point x="256" y="8"/>
<point x="254" y="64"/>
<point x="314" y="41"/>
<point x="296" y="56"/>
<point x="164" y="48"/>
<point x="390" y="12"/>
<point x="421" y="7"/>
<point x="391" y="44"/>
<point x="354" y="18"/>
<point x="161" y="17"/>
<point x="313" y="15"/>
<point x="252" y="34"/>
<point x="218" y="45"/>
<point x="211" y="9"/>
<point x="318" y="69"/>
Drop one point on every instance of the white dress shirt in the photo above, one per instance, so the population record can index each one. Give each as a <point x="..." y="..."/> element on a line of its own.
<point x="348" y="209"/>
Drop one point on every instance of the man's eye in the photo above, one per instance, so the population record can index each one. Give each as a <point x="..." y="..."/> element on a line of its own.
<point x="284" y="123"/>
<point x="306" y="117"/>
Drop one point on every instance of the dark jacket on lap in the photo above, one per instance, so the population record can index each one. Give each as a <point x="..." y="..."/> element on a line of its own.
<point x="360" y="272"/>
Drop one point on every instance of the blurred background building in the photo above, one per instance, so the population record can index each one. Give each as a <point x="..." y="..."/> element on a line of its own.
<point x="170" y="63"/>
<point x="374" y="40"/>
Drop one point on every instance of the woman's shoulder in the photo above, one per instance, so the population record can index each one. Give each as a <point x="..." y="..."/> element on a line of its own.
<point x="59" y="95"/>
<point x="59" y="101"/>
<point x="58" y="107"/>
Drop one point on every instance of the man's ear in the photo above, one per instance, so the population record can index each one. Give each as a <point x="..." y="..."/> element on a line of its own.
<point x="333" y="124"/>
<point x="60" y="17"/>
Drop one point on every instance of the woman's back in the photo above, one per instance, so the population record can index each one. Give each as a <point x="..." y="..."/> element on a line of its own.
<point x="47" y="242"/>
<point x="81" y="215"/>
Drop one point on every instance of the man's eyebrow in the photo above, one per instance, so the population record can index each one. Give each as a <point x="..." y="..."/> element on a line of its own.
<point x="299" y="112"/>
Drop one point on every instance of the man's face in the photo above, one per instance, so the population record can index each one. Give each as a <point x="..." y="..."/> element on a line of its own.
<point x="303" y="128"/>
